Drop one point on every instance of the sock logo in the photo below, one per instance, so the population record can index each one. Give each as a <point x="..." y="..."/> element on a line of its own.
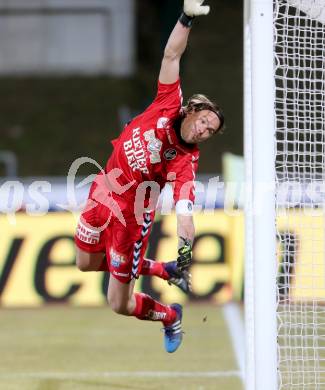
<point x="156" y="315"/>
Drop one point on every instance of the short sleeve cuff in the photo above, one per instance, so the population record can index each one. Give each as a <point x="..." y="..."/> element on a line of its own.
<point x="184" y="207"/>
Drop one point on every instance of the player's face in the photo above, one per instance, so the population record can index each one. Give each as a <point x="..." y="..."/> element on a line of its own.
<point x="199" y="126"/>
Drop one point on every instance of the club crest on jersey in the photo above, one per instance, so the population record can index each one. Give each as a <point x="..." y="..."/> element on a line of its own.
<point x="170" y="154"/>
<point x="154" y="146"/>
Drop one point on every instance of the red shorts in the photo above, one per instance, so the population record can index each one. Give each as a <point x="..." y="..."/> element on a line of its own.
<point x="111" y="227"/>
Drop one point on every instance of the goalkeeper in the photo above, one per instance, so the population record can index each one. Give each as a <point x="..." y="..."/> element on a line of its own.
<point x="159" y="145"/>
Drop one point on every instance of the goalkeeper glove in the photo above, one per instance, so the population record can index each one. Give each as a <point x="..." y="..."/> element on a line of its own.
<point x="195" y="8"/>
<point x="185" y="255"/>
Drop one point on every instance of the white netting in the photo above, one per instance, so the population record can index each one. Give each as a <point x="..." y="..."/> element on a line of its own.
<point x="300" y="175"/>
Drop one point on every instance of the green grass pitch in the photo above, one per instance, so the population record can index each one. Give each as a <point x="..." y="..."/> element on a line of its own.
<point x="62" y="348"/>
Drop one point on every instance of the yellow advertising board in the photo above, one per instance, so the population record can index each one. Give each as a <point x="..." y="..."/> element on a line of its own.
<point x="37" y="261"/>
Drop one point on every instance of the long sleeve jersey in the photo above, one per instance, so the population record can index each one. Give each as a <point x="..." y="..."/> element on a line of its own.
<point x="151" y="149"/>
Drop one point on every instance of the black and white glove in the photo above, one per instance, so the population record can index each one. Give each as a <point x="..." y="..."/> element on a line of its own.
<point x="184" y="255"/>
<point x="195" y="8"/>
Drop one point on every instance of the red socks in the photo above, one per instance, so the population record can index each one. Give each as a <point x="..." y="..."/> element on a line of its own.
<point x="147" y="308"/>
<point x="153" y="268"/>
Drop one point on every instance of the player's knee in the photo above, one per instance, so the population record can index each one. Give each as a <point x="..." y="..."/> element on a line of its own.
<point x="82" y="263"/>
<point x="117" y="305"/>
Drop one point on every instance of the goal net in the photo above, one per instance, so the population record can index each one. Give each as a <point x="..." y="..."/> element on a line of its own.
<point x="299" y="59"/>
<point x="294" y="31"/>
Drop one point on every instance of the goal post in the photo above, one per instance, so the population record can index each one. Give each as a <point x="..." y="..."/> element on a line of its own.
<point x="285" y="176"/>
<point x="260" y="290"/>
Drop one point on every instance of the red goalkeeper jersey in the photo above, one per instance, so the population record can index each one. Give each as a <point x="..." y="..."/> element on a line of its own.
<point x="150" y="148"/>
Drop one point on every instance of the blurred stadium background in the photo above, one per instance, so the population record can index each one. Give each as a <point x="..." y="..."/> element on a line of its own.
<point x="72" y="73"/>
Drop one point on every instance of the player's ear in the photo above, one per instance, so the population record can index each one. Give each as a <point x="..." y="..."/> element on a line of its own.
<point x="187" y="110"/>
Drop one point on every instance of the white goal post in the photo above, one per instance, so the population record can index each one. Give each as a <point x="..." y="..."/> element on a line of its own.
<point x="285" y="176"/>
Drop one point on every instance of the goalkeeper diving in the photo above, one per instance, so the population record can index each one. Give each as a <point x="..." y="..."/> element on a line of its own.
<point x="160" y="145"/>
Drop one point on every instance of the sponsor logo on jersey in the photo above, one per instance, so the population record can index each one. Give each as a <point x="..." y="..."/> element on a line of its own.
<point x="135" y="152"/>
<point x="189" y="206"/>
<point x="120" y="273"/>
<point x="170" y="139"/>
<point x="116" y="258"/>
<point x="86" y="234"/>
<point x="154" y="146"/>
<point x="162" y="122"/>
<point x="170" y="154"/>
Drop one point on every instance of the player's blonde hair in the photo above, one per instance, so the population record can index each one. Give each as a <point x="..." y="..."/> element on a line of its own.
<point x="199" y="102"/>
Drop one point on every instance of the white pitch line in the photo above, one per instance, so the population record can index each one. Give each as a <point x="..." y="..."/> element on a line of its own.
<point x="120" y="374"/>
<point x="235" y="324"/>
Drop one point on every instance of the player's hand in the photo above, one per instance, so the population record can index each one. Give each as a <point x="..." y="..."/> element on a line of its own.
<point x="184" y="255"/>
<point x="195" y="8"/>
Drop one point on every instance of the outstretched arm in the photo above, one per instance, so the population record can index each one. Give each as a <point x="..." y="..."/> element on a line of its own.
<point x="185" y="229"/>
<point x="177" y="42"/>
<point x="185" y="232"/>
